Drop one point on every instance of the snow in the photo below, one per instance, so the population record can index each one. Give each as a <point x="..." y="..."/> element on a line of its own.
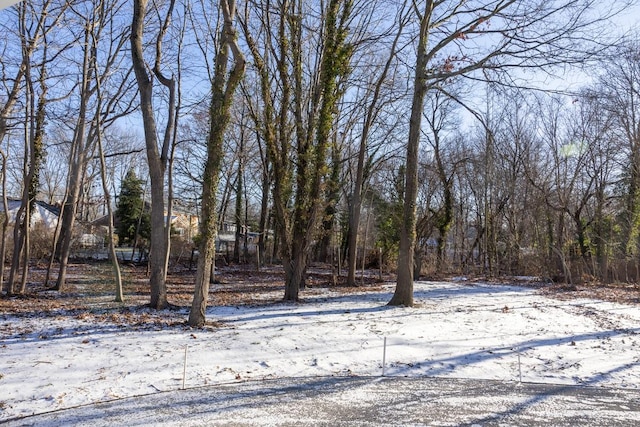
<point x="456" y="330"/>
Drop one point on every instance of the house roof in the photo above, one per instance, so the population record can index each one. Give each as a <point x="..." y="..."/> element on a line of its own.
<point x="44" y="212"/>
<point x="51" y="208"/>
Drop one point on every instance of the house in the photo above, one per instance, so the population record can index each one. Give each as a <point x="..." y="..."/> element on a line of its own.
<point x="43" y="213"/>
<point x="184" y="224"/>
<point x="46" y="215"/>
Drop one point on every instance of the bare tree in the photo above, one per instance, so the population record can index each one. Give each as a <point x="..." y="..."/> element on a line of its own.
<point x="461" y="37"/>
<point x="223" y="88"/>
<point x="35" y="23"/>
<point x="103" y="42"/>
<point x="158" y="151"/>
<point x="302" y="111"/>
<point x="593" y="128"/>
<point x="618" y="92"/>
<point x="572" y="172"/>
<point x="119" y="295"/>
<point x="372" y="110"/>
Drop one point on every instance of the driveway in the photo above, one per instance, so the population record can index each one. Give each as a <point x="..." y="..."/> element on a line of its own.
<point x="361" y="401"/>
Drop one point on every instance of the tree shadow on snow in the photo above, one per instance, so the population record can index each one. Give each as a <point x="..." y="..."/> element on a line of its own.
<point x="174" y="406"/>
<point x="447" y="365"/>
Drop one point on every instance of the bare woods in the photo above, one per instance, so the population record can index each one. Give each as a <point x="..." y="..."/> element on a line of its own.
<point x="492" y="137"/>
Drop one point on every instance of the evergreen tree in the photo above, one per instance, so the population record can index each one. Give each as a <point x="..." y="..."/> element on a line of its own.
<point x="130" y="212"/>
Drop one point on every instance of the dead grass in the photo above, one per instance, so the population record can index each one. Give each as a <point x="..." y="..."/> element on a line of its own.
<point x="89" y="294"/>
<point x="623" y="293"/>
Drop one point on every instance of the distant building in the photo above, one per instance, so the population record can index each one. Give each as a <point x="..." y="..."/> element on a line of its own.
<point x="43" y="213"/>
<point x="184" y="224"/>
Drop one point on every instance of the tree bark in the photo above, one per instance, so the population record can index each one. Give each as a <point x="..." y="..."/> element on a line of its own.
<point x="80" y="153"/>
<point x="311" y="162"/>
<point x="223" y="88"/>
<point x="403" y="294"/>
<point x="157" y="159"/>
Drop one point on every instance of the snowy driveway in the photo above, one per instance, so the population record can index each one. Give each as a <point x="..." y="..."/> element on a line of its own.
<point x="351" y="401"/>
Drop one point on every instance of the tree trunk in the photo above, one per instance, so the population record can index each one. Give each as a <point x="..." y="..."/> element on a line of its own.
<point x="157" y="159"/>
<point x="238" y="207"/>
<point x="332" y="195"/>
<point x="159" y="245"/>
<point x="34" y="152"/>
<point x="206" y="248"/>
<point x="403" y="294"/>
<point x="69" y="209"/>
<point x="223" y="88"/>
<point x="82" y="148"/>
<point x="18" y="244"/>
<point x="5" y="216"/>
<point x="5" y="114"/>
<point x="311" y="162"/>
<point x="113" y="256"/>
<point x="294" y="270"/>
<point x="264" y="214"/>
<point x="26" y="253"/>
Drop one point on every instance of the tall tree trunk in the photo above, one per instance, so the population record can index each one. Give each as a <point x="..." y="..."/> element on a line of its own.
<point x="5" y="217"/>
<point x="332" y="196"/>
<point x="113" y="256"/>
<point x="311" y="161"/>
<point x="34" y="153"/>
<point x="26" y="253"/>
<point x="82" y="147"/>
<point x="5" y="114"/>
<point x="224" y="202"/>
<point x="297" y="243"/>
<point x="403" y="294"/>
<point x="223" y="88"/>
<point x="157" y="158"/>
<point x="238" y="207"/>
<point x="601" y="270"/>
<point x="69" y="209"/>
<point x="264" y="209"/>
<point x="37" y="155"/>
<point x="275" y="158"/>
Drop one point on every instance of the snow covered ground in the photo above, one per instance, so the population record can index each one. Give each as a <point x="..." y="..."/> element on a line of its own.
<point x="456" y="330"/>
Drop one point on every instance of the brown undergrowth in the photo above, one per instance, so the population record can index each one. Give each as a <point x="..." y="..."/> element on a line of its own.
<point x="89" y="295"/>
